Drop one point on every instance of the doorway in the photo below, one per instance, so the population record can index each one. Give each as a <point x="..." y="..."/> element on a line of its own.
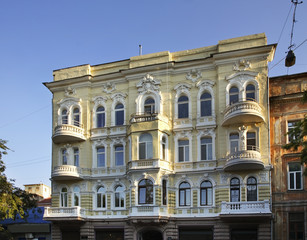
<point x="150" y="235"/>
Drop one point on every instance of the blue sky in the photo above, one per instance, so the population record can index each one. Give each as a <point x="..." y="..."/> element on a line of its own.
<point x="40" y="36"/>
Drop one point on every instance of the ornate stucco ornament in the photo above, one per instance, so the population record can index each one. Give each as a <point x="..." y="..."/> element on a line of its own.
<point x="242" y="65"/>
<point x="108" y="87"/>
<point x="148" y="84"/>
<point x="182" y="87"/>
<point x="194" y="75"/>
<point x="118" y="96"/>
<point x="69" y="91"/>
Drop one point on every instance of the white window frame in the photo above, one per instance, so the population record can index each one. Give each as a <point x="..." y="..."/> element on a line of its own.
<point x="76" y="156"/>
<point x="117" y="141"/>
<point x="181" y="136"/>
<point x="120" y="151"/>
<point x="103" y="194"/>
<point x="294" y="178"/>
<point x="64" y="197"/>
<point x="96" y="144"/>
<point x="122" y="194"/>
<point x="76" y="194"/>
<point x="118" y="98"/>
<point x="166" y="147"/>
<point x="99" y="101"/>
<point x="148" y="145"/>
<point x="182" y="89"/>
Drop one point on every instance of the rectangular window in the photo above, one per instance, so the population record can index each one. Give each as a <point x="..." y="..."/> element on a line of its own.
<point x="296" y="226"/>
<point x="251" y="141"/>
<point x="295" y="176"/>
<point x="206" y="148"/>
<point x="183" y="150"/>
<point x="142" y="150"/>
<point x="243" y="234"/>
<point x="64" y="157"/>
<point x="119" y="116"/>
<point x="164" y="192"/>
<point x="76" y="157"/>
<point x="101" y="157"/>
<point x="119" y="155"/>
<point x="291" y="125"/>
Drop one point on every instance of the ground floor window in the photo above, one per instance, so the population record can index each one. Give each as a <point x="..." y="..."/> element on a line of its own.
<point x="112" y="234"/>
<point x="195" y="234"/>
<point x="296" y="226"/>
<point x="243" y="234"/>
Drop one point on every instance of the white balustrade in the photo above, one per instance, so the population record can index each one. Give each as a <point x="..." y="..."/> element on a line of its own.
<point x="251" y="207"/>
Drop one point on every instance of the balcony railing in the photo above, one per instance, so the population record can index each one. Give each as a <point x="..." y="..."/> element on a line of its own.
<point x="244" y="159"/>
<point x="148" y="163"/>
<point x="68" y="133"/>
<point x="252" y="207"/>
<point x="63" y="213"/>
<point x="66" y="172"/>
<point x="143" y="117"/>
<point x="243" y="112"/>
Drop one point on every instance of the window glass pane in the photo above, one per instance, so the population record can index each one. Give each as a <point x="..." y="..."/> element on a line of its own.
<point x="188" y="197"/>
<point x="250" y="92"/>
<point x="298" y="181"/>
<point x="100" y="120"/>
<point x="186" y="153"/>
<point x="203" y="152"/>
<point x="117" y="200"/>
<point x="206" y="105"/>
<point x="149" y="149"/>
<point x="183" y="110"/>
<point x="119" y="116"/>
<point x="64" y="157"/>
<point x="142" y="195"/>
<point x="210" y="196"/>
<point x="233" y="95"/>
<point x="100" y="157"/>
<point x="76" y="157"/>
<point x="119" y="155"/>
<point x="203" y="197"/>
<point x="294" y="167"/>
<point x="142" y="151"/>
<point x="164" y="192"/>
<point x="182" y="197"/>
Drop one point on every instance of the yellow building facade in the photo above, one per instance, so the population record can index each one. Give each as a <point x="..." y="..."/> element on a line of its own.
<point x="164" y="145"/>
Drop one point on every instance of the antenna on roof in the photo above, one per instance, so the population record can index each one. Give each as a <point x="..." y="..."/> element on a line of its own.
<point x="140" y="50"/>
<point x="290" y="59"/>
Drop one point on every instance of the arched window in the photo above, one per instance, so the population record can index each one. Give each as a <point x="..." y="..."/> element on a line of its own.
<point x="163" y="145"/>
<point x="76" y="117"/>
<point x="206" y="148"/>
<point x="234" y="190"/>
<point x="149" y="105"/>
<point x="233" y="95"/>
<point x="205" y="105"/>
<point x="101" y="157"/>
<point x="251" y="189"/>
<point x="145" y="146"/>
<point x="183" y="150"/>
<point x="100" y="117"/>
<point x="101" y="197"/>
<point x="119" y="114"/>
<point x="183" y="107"/>
<point x="234" y="142"/>
<point x="119" y="197"/>
<point x="206" y="193"/>
<point x="76" y="196"/>
<point x="251" y="141"/>
<point x="145" y="192"/>
<point x="119" y="155"/>
<point x="76" y="157"/>
<point x="64" y="116"/>
<point x="250" y="92"/>
<point x="64" y="156"/>
<point x="184" y="194"/>
<point x="63" y="197"/>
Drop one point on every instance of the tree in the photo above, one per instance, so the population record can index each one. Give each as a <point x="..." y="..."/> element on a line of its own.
<point x="298" y="138"/>
<point x="13" y="200"/>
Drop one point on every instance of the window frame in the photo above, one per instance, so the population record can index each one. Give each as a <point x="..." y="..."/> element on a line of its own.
<point x="233" y="94"/>
<point x="186" y="192"/>
<point x="248" y="91"/>
<point x="64" y="197"/>
<point x="151" y="105"/>
<point x="183" y="105"/>
<point x="120" y="195"/>
<point x="76" y="157"/>
<point x="146" y="145"/>
<point x="251" y="193"/>
<point x="76" y="194"/>
<point x="204" y="102"/>
<point x="118" y="114"/>
<point x="103" y="197"/>
<point x="186" y="150"/>
<point x="119" y="153"/>
<point x="209" y="148"/>
<point x="100" y="116"/>
<point x="235" y="187"/>
<point x="149" y="192"/>
<point x="237" y="140"/>
<point x="102" y="154"/>
<point x="64" y="156"/>
<point x="76" y="117"/>
<point x="205" y="189"/>
<point x="294" y="173"/>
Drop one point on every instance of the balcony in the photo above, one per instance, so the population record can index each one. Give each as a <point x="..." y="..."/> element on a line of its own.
<point x="68" y="133"/>
<point x="243" y="112"/>
<point x="64" y="213"/>
<point x="245" y="208"/>
<point x="147" y="164"/>
<point x="66" y="172"/>
<point x="148" y="211"/>
<point x="249" y="159"/>
<point x="143" y="117"/>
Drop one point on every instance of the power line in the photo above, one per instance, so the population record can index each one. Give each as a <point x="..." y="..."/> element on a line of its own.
<point x="25" y="116"/>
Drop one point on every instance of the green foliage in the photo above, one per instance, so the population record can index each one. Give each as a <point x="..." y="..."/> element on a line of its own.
<point x="13" y="200"/>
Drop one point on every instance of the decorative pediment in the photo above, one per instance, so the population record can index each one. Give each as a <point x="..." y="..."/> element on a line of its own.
<point x="67" y="102"/>
<point x="205" y="83"/>
<point x="184" y="134"/>
<point x="118" y="140"/>
<point x="206" y="132"/>
<point x="99" y="100"/>
<point x="194" y="75"/>
<point x="148" y="84"/>
<point x="108" y="87"/>
<point x="118" y="96"/>
<point x="242" y="76"/>
<point x="241" y="65"/>
<point x="181" y="87"/>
